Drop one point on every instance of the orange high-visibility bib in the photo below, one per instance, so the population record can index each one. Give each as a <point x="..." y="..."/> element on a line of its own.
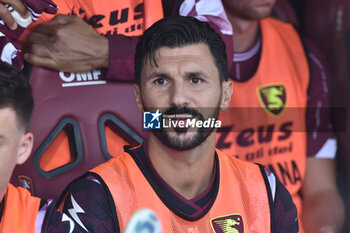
<point x="20" y="211"/>
<point x="266" y="122"/>
<point x="242" y="197"/>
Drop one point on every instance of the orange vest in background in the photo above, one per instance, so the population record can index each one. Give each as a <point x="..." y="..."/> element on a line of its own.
<point x="266" y="120"/>
<point x="242" y="197"/>
<point x="130" y="18"/>
<point x="20" y="211"/>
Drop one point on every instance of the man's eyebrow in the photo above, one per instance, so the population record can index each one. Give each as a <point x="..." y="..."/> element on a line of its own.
<point x="196" y="74"/>
<point x="187" y="74"/>
<point x="158" y="75"/>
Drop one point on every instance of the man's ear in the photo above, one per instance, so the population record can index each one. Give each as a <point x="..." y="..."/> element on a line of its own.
<point x="25" y="147"/>
<point x="137" y="92"/>
<point x="227" y="90"/>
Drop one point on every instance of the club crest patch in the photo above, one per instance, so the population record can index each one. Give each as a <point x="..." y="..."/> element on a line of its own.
<point x="232" y="223"/>
<point x="273" y="98"/>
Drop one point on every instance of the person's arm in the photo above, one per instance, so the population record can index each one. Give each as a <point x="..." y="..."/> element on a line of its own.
<point x="68" y="44"/>
<point x="10" y="31"/>
<point x="50" y="220"/>
<point x="323" y="209"/>
<point x="284" y="212"/>
<point x="88" y="204"/>
<point x="121" y="57"/>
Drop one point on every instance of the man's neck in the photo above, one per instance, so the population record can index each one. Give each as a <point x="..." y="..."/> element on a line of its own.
<point x="245" y="33"/>
<point x="187" y="172"/>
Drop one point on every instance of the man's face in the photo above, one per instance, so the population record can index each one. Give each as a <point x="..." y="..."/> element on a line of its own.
<point x="249" y="9"/>
<point x="184" y="85"/>
<point x="15" y="146"/>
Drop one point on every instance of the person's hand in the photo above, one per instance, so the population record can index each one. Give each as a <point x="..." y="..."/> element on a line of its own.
<point x="6" y="15"/>
<point x="67" y="43"/>
<point x="323" y="208"/>
<point x="13" y="12"/>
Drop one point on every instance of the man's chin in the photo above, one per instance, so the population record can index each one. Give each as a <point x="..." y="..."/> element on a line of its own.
<point x="181" y="141"/>
<point x="264" y="12"/>
<point x="181" y="136"/>
<point x="258" y="13"/>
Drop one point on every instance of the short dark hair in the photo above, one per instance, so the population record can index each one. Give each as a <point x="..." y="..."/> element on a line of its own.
<point x="16" y="93"/>
<point x="179" y="31"/>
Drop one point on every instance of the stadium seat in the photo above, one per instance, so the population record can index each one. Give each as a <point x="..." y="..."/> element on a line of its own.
<point x="79" y="121"/>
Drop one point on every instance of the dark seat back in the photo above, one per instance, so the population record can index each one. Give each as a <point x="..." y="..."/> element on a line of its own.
<point x="79" y="121"/>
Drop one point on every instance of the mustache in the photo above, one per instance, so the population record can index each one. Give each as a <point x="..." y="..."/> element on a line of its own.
<point x="184" y="110"/>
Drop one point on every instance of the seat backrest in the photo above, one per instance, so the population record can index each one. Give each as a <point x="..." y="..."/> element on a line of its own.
<point x="79" y="121"/>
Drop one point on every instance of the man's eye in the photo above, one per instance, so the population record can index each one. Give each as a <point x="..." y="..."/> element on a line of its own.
<point x="195" y="80"/>
<point x="160" y="81"/>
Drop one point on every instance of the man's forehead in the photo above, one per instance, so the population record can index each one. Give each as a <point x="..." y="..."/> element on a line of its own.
<point x="196" y="49"/>
<point x="7" y="110"/>
<point x="198" y="53"/>
<point x="190" y="60"/>
<point x="8" y="116"/>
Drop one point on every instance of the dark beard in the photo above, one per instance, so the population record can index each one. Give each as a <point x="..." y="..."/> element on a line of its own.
<point x="182" y="145"/>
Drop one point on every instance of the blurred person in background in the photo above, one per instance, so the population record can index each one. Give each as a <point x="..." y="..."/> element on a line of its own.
<point x="284" y="124"/>
<point x="328" y="24"/>
<point x="19" y="211"/>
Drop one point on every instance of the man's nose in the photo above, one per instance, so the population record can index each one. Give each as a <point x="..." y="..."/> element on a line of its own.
<point x="179" y="95"/>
